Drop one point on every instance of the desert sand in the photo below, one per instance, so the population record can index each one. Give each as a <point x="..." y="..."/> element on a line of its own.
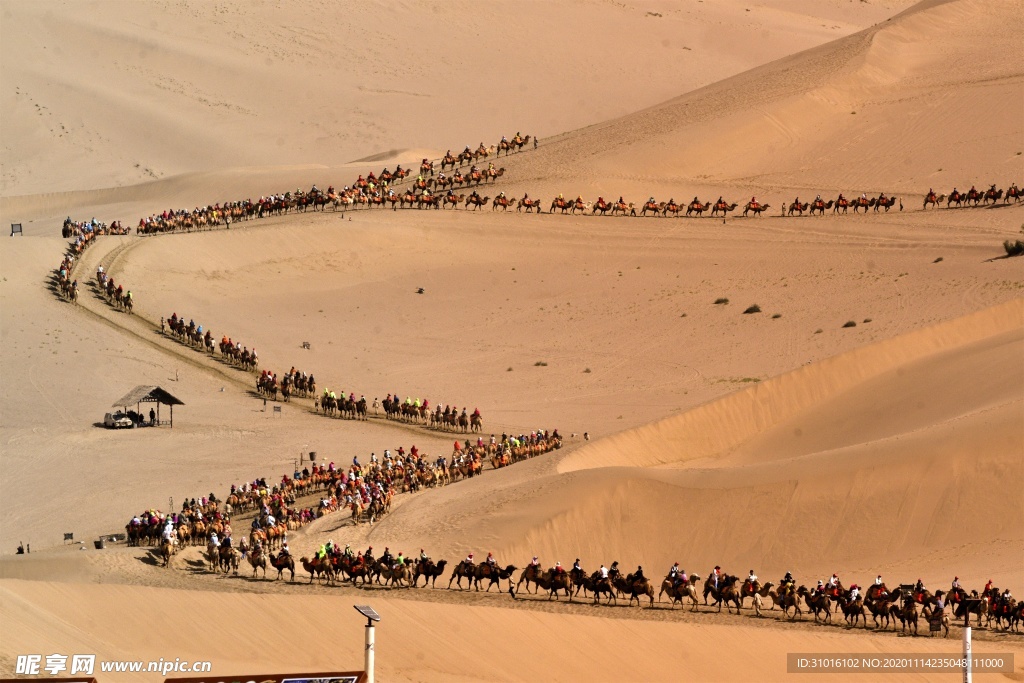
<point x="779" y="441"/>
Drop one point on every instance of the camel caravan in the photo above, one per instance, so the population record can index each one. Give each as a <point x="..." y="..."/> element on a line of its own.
<point x="973" y="197"/>
<point x="366" y="491"/>
<point x="114" y="294"/>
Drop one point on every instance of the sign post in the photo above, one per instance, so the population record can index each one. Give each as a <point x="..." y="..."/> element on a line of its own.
<point x="371" y="616"/>
<point x="967" y="653"/>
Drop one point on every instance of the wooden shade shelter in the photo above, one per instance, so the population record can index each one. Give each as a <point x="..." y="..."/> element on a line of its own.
<point x="148" y="394"/>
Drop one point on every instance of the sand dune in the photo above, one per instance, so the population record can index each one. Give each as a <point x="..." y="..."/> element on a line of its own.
<point x="779" y="441"/>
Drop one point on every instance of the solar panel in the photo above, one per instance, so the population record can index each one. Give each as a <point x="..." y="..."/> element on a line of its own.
<point x="367" y="612"/>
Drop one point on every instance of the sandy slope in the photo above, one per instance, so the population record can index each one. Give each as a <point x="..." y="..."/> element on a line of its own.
<point x="415" y="641"/>
<point x="893" y="446"/>
<point x="104" y="93"/>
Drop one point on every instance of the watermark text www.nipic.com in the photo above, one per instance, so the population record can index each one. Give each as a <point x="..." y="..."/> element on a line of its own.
<point x="907" y="662"/>
<point x="59" y="664"/>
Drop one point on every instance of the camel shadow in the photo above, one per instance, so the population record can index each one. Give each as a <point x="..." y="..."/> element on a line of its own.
<point x="152" y="558"/>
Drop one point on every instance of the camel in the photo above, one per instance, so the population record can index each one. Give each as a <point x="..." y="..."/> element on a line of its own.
<point x="550" y="580"/>
<point x="908" y="614"/>
<point x="677" y="593"/>
<point x="723" y="208"/>
<point x="748" y="590"/>
<point x="955" y="197"/>
<point x="942" y="617"/>
<point x="730" y="594"/>
<point x="166" y="550"/>
<point x="821" y="206"/>
<point x="476" y="201"/>
<point x="623" y="208"/>
<point x="886" y="203"/>
<point x="213" y="556"/>
<point x="716" y="591"/>
<point x="399" y="575"/>
<point x="653" y="207"/>
<point x="493" y="174"/>
<point x="671" y="208"/>
<point x="529" y="205"/>
<point x="282" y="563"/>
<point x="816" y="603"/>
<point x="634" y="588"/>
<point x="463" y="570"/>
<point x="562" y="204"/>
<point x="356" y="569"/>
<point x="602" y="206"/>
<point x="1013" y="192"/>
<point x="798" y="208"/>
<point x="992" y="195"/>
<point x="789" y="598"/>
<point x="493" y="575"/>
<point x="757" y="209"/>
<point x="229" y="560"/>
<point x="258" y="561"/>
<point x="530" y="575"/>
<point x="933" y="199"/>
<point x="695" y="207"/>
<point x="503" y="202"/>
<point x="597" y="585"/>
<point x="853" y="610"/>
<point x="429" y="571"/>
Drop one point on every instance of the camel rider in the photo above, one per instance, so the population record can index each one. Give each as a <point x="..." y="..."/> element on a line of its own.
<point x="517" y="138"/>
<point x="955" y="586"/>
<point x="833" y="582"/>
<point x="504" y="139"/>
<point x="715" y="575"/>
<point x="1007" y="596"/>
<point x="400" y="560"/>
<point x="753" y="201"/>
<point x="423" y="553"/>
<point x="752" y="578"/>
<point x="386" y="557"/>
<point x="614" y="570"/>
<point x="671" y="201"/>
<point x="604" y="572"/>
<point x="256" y="524"/>
<point x="490" y="560"/>
<point x="682" y="578"/>
<point x="797" y="201"/>
<point x="650" y="200"/>
<point x="673" y="572"/>
<point x="559" y="569"/>
<point x="469" y="559"/>
<point x="226" y="543"/>
<point x="621" y="200"/>
<point x="817" y="198"/>
<point x="576" y="566"/>
<point x="348" y="551"/>
<point x="284" y="549"/>
<point x="535" y="563"/>
<point x="639" y="576"/>
<point x="841" y="197"/>
<point x="854" y="592"/>
<point x="214" y="541"/>
<point x="128" y="296"/>
<point x="560" y="197"/>
<point x="720" y="200"/>
<point x="820" y="589"/>
<point x="501" y="195"/>
<point x="863" y="195"/>
<point x="168" y="531"/>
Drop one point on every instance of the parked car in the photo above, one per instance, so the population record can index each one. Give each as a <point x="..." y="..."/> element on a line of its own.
<point x="117" y="420"/>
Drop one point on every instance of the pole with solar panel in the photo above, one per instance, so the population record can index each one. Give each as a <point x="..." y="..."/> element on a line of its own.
<point x="371" y="617"/>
